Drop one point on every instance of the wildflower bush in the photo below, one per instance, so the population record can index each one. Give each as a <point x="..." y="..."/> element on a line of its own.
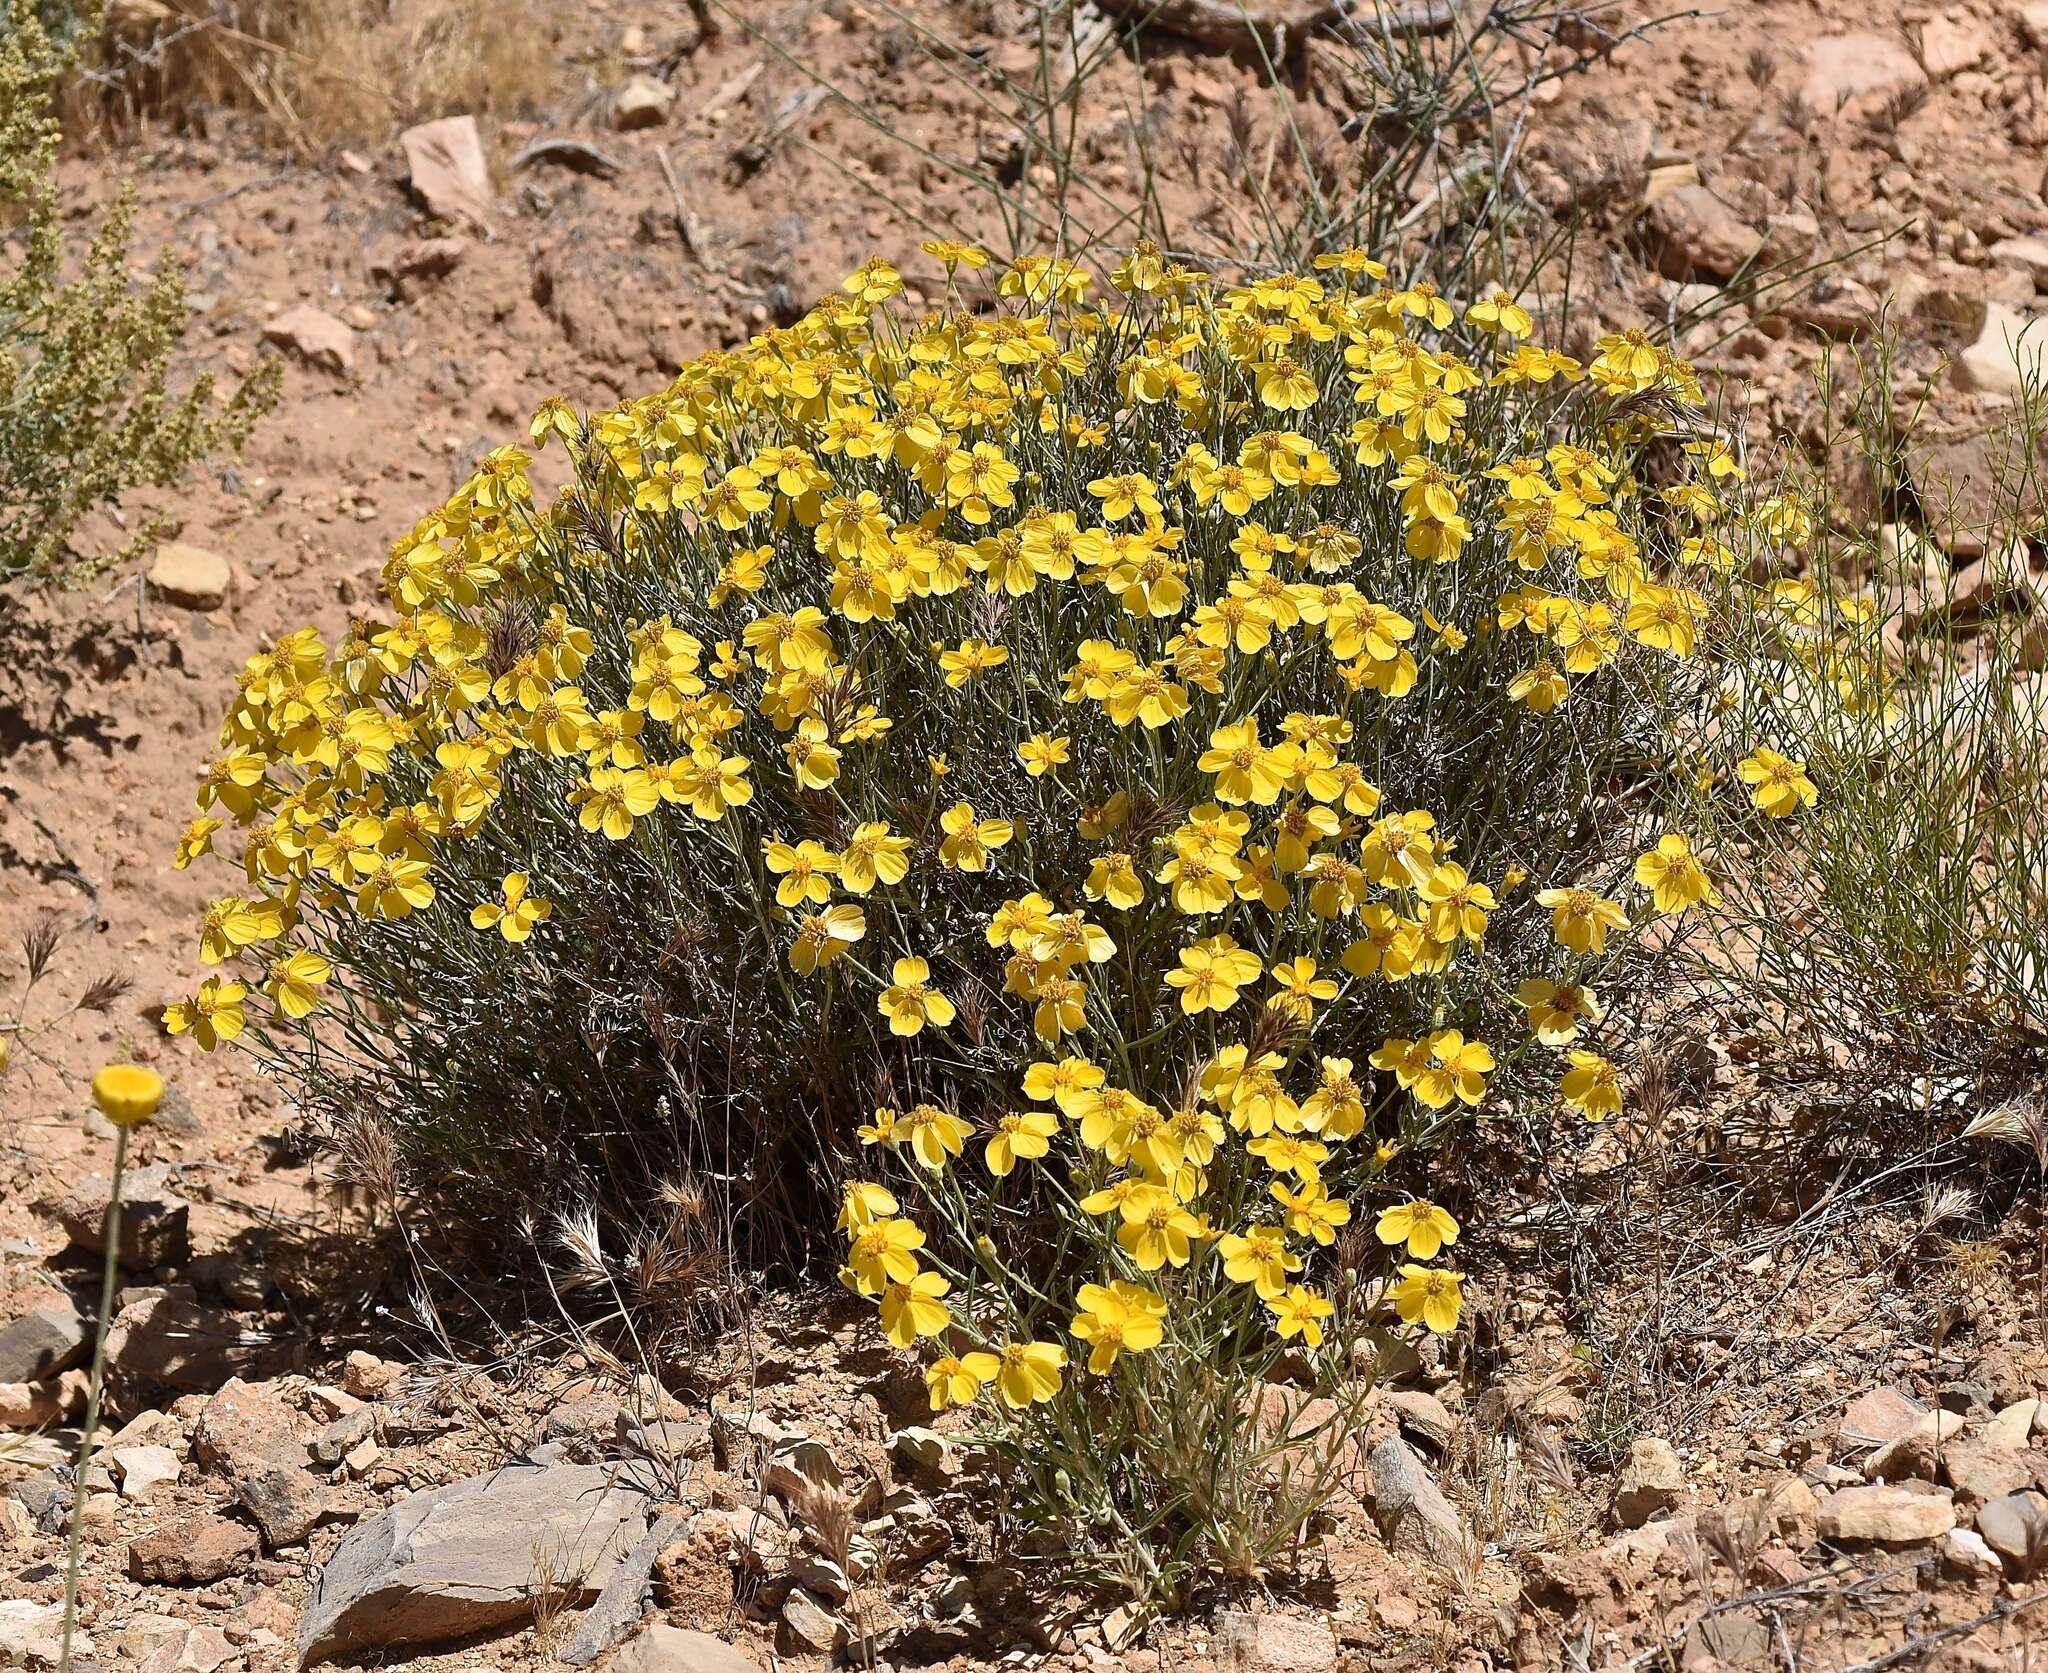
<point x="87" y="409"/>
<point x="1091" y="790"/>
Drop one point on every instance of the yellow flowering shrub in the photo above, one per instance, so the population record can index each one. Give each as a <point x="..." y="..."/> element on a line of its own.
<point x="1089" y="787"/>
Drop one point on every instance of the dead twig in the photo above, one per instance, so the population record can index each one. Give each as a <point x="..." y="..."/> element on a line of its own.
<point x="1234" y="25"/>
<point x="686" y="223"/>
<point x="572" y="154"/>
<point x="2003" y="1610"/>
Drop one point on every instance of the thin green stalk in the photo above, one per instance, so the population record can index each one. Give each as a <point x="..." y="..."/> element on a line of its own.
<point x="109" y="1273"/>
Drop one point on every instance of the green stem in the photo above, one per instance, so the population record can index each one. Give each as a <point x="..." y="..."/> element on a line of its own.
<point x="92" y="1399"/>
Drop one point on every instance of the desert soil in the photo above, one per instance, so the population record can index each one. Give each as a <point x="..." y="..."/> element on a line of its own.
<point x="1815" y="1492"/>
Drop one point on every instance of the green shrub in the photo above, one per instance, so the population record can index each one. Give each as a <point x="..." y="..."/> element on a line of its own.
<point x="87" y="411"/>
<point x="1194" y="750"/>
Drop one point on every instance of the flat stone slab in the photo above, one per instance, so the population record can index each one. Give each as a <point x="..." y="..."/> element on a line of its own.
<point x="463" y="1559"/>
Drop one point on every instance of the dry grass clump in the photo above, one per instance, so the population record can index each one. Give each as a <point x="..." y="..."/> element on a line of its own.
<point x="325" y="72"/>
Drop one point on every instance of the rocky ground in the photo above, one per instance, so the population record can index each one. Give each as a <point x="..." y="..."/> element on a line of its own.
<point x="1834" y="1468"/>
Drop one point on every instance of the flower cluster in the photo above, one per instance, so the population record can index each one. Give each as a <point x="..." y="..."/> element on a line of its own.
<point x="1173" y="749"/>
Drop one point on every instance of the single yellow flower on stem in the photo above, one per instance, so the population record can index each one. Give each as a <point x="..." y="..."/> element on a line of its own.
<point x="1118" y="1318"/>
<point x="1555" y="1008"/>
<point x="864" y="1204"/>
<point x="1299" y="1311"/>
<point x="912" y="1002"/>
<point x="212" y="1015"/>
<point x="1429" y="1294"/>
<point x="958" y="1381"/>
<point x="516" y="913"/>
<point x="1580" y="919"/>
<point x="1592" y="1086"/>
<point x="1020" y="1134"/>
<point x="935" y="1134"/>
<point x="1778" y="783"/>
<point x="1260" y="1258"/>
<point x="128" y="1095"/>
<point x="883" y="1252"/>
<point x="1029" y="1371"/>
<point x="1312" y="1211"/>
<point x="913" y="1309"/>
<point x="1420" y="1224"/>
<point x="1674" y="875"/>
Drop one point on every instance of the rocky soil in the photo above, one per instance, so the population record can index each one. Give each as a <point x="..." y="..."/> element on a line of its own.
<point x="299" y="1465"/>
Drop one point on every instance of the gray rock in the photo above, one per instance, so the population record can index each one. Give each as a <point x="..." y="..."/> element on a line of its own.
<point x="1948" y="46"/>
<point x="820" y="1574"/>
<point x="666" y="1649"/>
<point x="144" y="1635"/>
<point x="366" y="1377"/>
<point x="1978" y="483"/>
<point x="927" y="1454"/>
<point x="461" y="1559"/>
<point x="344" y="1435"/>
<point x="1951" y="294"/>
<point x="333" y="1402"/>
<point x="176" y="1116"/>
<point x="285" y="1501"/>
<point x="198" y="1650"/>
<point x="1651" y="1480"/>
<point x="1886" y="1515"/>
<point x="1790" y="240"/>
<point x="1260" y="1643"/>
<point x="2029" y="255"/>
<point x="231" y="1278"/>
<point x="665" y="1440"/>
<point x="190" y="577"/>
<point x="155" y="1221"/>
<point x="406" y="270"/>
<point x="242" y="1422"/>
<point x="446" y="167"/>
<point x="316" y="337"/>
<point x="1411" y="1510"/>
<point x="39" y="1344"/>
<point x="1981" y="1472"/>
<point x="42" y="1493"/>
<point x="749" y="1536"/>
<point x="37" y="1405"/>
<point x="247" y="1432"/>
<point x="2016" y="1527"/>
<point x="627" y="1596"/>
<point x="2012" y="1427"/>
<point x="1833" y="304"/>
